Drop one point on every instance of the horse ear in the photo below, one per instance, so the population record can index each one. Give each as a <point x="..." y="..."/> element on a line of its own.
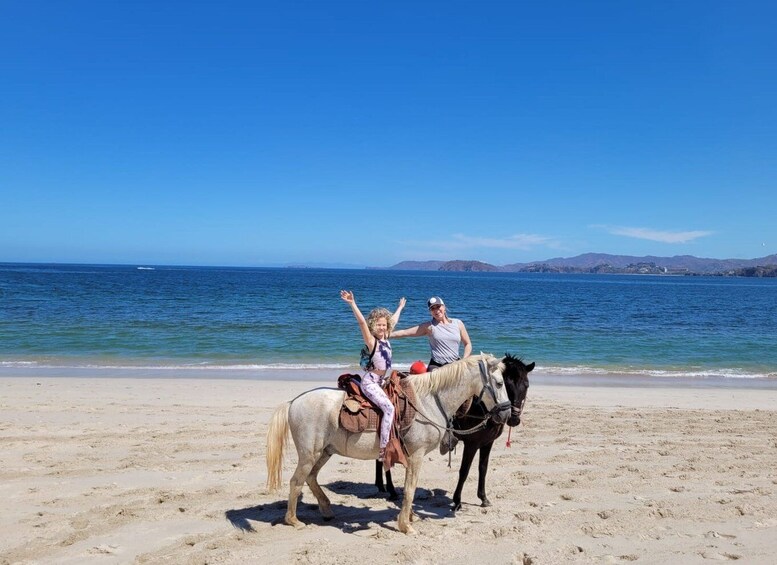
<point x="530" y="368"/>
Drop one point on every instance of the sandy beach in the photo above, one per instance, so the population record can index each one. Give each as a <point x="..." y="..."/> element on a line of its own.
<point x="100" y="470"/>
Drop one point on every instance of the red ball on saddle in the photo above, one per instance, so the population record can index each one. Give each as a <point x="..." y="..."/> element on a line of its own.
<point x="417" y="368"/>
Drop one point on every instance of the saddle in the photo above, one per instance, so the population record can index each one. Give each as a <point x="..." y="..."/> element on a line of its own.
<point x="358" y="414"/>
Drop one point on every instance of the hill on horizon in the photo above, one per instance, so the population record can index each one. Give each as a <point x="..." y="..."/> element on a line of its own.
<point x="600" y="262"/>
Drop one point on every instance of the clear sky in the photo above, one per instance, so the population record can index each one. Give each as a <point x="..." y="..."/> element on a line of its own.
<point x="366" y="133"/>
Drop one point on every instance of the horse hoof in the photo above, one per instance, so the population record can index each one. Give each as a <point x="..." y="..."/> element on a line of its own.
<point x="393" y="496"/>
<point x="486" y="503"/>
<point x="456" y="507"/>
<point x="328" y="518"/>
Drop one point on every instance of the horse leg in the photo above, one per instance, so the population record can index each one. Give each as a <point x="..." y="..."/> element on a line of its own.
<point x="389" y="483"/>
<point x="379" y="476"/>
<point x="301" y="474"/>
<point x="324" y="506"/>
<point x="414" y="462"/>
<point x="485" y="452"/>
<point x="470" y="449"/>
<point x="390" y="487"/>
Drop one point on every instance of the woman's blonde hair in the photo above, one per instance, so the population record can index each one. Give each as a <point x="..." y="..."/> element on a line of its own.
<point x="375" y="315"/>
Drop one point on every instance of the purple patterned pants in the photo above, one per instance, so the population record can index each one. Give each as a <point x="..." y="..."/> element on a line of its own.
<point x="371" y="389"/>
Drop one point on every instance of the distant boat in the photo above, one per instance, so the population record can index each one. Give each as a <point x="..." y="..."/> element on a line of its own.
<point x="145" y="268"/>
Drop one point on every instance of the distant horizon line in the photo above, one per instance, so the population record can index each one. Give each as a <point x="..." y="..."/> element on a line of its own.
<point x="353" y="266"/>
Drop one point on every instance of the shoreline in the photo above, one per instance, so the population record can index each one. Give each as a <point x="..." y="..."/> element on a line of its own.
<point x="540" y="377"/>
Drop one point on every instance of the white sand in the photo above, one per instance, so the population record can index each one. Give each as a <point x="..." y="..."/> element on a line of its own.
<point x="172" y="470"/>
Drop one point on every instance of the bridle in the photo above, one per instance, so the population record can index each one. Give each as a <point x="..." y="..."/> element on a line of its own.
<point x="489" y="386"/>
<point x="485" y="414"/>
<point x="519" y="409"/>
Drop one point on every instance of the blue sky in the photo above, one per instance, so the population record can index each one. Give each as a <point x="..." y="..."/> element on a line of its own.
<point x="367" y="133"/>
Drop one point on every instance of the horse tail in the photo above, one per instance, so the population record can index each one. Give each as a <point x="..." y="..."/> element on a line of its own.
<point x="277" y="438"/>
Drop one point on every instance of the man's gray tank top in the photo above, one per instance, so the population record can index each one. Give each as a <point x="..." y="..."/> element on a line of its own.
<point x="444" y="339"/>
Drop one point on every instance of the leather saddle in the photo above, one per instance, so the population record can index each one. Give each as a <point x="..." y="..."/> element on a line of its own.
<point x="358" y="414"/>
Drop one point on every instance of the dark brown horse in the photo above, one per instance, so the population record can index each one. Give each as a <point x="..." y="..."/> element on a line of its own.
<point x="516" y="379"/>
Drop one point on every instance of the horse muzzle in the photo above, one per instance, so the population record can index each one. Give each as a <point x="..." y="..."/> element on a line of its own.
<point x="515" y="416"/>
<point x="501" y="413"/>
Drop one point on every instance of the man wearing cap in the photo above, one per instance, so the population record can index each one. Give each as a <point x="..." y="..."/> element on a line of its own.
<point x="445" y="335"/>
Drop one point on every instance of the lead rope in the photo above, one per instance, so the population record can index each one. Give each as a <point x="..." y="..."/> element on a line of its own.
<point x="451" y="446"/>
<point x="449" y="423"/>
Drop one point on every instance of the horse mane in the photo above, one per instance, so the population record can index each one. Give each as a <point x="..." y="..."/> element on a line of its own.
<point x="429" y="383"/>
<point x="509" y="357"/>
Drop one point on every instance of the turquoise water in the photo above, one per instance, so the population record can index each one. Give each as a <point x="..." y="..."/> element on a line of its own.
<point x="60" y="316"/>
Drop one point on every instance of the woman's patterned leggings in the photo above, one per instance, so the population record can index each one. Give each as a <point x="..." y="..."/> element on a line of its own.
<point x="371" y="389"/>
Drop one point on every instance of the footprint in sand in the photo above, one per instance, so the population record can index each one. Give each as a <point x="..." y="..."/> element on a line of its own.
<point x="720" y="556"/>
<point x="103" y="550"/>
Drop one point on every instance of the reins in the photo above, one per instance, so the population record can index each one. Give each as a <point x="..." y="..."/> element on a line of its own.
<point x="449" y="423"/>
<point x="447" y="428"/>
<point x="485" y="377"/>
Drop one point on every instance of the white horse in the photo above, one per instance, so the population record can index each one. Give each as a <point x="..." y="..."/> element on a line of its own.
<point x="313" y="416"/>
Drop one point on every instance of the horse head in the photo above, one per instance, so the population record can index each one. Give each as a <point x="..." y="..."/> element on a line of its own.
<point x="516" y="378"/>
<point x="493" y="395"/>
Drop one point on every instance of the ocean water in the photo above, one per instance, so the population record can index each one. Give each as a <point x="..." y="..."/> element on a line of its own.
<point x="253" y="319"/>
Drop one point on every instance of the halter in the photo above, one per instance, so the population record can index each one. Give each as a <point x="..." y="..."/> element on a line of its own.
<point x="488" y="385"/>
<point x="484" y="417"/>
<point x="519" y="409"/>
<point x="486" y="414"/>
